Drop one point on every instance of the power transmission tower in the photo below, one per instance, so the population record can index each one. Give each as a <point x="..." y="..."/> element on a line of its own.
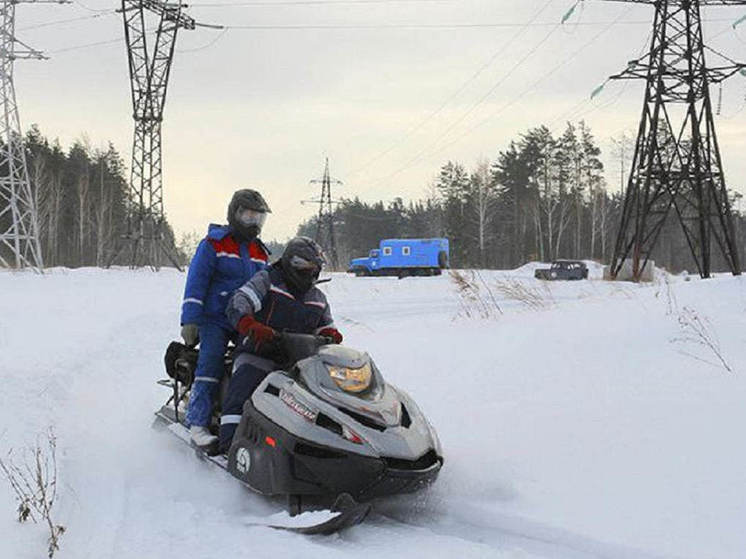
<point x="19" y="220"/>
<point x="149" y="68"/>
<point x="676" y="163"/>
<point x="325" y="223"/>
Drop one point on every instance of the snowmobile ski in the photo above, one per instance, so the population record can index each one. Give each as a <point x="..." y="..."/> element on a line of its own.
<point x="345" y="513"/>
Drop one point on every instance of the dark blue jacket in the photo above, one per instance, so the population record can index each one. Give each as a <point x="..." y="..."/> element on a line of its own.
<point x="219" y="267"/>
<point x="268" y="299"/>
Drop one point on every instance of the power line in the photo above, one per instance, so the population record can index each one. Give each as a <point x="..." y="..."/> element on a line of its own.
<point x="520" y="96"/>
<point x="206" y="45"/>
<point x="365" y="26"/>
<point x="418" y="156"/>
<point x="577" y="110"/>
<point x="463" y="86"/>
<point x="532" y="87"/>
<point x="89" y="45"/>
<point x="318" y="27"/>
<point x="265" y="4"/>
<point x="69" y="20"/>
<point x="85" y="7"/>
<point x="474" y="105"/>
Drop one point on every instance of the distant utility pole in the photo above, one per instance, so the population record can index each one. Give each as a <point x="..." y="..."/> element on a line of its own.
<point x="676" y="163"/>
<point x="149" y="68"/>
<point x="19" y="218"/>
<point x="325" y="224"/>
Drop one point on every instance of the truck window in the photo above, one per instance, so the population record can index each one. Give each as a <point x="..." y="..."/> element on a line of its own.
<point x="387" y="251"/>
<point x="374" y="253"/>
<point x="405" y="251"/>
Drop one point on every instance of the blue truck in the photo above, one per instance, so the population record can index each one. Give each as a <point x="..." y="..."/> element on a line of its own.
<point x="403" y="257"/>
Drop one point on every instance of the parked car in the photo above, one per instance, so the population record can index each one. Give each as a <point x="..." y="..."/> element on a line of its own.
<point x="563" y="270"/>
<point x="403" y="257"/>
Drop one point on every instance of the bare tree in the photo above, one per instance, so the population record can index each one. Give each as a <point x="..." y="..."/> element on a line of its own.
<point x="547" y="199"/>
<point x="55" y="209"/>
<point x="34" y="482"/>
<point x="484" y="198"/>
<point x="622" y="151"/>
<point x="591" y="168"/>
<point x="102" y="213"/>
<point x="82" y="187"/>
<point x="41" y="189"/>
<point x="603" y="222"/>
<point x="565" y="155"/>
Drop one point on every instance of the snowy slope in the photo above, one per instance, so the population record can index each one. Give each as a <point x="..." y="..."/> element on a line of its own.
<point x="579" y="429"/>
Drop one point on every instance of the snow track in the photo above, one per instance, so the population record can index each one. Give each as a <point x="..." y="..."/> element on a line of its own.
<point x="589" y="429"/>
<point x="475" y="525"/>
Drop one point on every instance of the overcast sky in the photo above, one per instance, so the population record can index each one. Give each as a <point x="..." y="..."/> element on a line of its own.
<point x="261" y="107"/>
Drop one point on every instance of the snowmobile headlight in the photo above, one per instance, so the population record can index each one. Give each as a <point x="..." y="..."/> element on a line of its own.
<point x="351" y="380"/>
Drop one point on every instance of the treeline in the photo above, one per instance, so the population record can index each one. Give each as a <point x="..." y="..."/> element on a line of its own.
<point x="541" y="198"/>
<point x="82" y="197"/>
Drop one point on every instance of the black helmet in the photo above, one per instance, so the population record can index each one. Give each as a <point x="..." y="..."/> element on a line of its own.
<point x="247" y="212"/>
<point x="301" y="263"/>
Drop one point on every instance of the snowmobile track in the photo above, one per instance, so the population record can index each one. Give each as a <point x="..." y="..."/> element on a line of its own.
<point x="505" y="532"/>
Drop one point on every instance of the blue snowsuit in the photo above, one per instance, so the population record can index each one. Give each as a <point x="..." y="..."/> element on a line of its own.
<point x="267" y="298"/>
<point x="220" y="266"/>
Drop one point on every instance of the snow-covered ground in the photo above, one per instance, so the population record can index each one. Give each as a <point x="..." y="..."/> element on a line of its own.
<point x="583" y="421"/>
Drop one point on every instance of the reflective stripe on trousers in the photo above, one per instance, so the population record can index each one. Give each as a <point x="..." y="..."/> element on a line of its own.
<point x="244" y="380"/>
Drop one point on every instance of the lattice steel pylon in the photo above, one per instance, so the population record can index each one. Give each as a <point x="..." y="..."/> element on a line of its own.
<point x="677" y="161"/>
<point x="19" y="224"/>
<point x="149" y="72"/>
<point x="325" y="223"/>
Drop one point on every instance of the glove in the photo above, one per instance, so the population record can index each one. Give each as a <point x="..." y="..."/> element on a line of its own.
<point x="332" y="333"/>
<point x="258" y="332"/>
<point x="190" y="333"/>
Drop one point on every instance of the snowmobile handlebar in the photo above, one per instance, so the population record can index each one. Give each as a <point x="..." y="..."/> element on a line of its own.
<point x="296" y="347"/>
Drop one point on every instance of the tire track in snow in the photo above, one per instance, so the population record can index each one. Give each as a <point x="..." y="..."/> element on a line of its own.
<point x="503" y="532"/>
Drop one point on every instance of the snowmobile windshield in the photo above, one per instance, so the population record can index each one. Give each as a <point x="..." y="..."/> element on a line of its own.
<point x="351" y="380"/>
<point x="248" y="217"/>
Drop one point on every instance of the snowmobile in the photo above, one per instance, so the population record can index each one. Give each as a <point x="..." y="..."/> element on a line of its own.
<point x="325" y="426"/>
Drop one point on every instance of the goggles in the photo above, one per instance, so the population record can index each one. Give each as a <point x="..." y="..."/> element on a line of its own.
<point x="301" y="264"/>
<point x="247" y="217"/>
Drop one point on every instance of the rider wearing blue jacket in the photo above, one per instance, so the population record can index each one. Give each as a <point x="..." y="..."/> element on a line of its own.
<point x="225" y="259"/>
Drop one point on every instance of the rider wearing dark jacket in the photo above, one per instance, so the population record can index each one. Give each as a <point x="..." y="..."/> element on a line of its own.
<point x="282" y="298"/>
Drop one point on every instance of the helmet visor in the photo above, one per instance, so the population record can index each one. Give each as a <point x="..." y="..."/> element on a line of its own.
<point x="303" y="265"/>
<point x="247" y="217"/>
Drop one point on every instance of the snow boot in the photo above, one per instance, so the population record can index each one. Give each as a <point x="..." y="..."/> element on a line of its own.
<point x="203" y="439"/>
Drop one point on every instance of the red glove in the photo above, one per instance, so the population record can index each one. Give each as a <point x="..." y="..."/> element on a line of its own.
<point x="332" y="333"/>
<point x="258" y="332"/>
